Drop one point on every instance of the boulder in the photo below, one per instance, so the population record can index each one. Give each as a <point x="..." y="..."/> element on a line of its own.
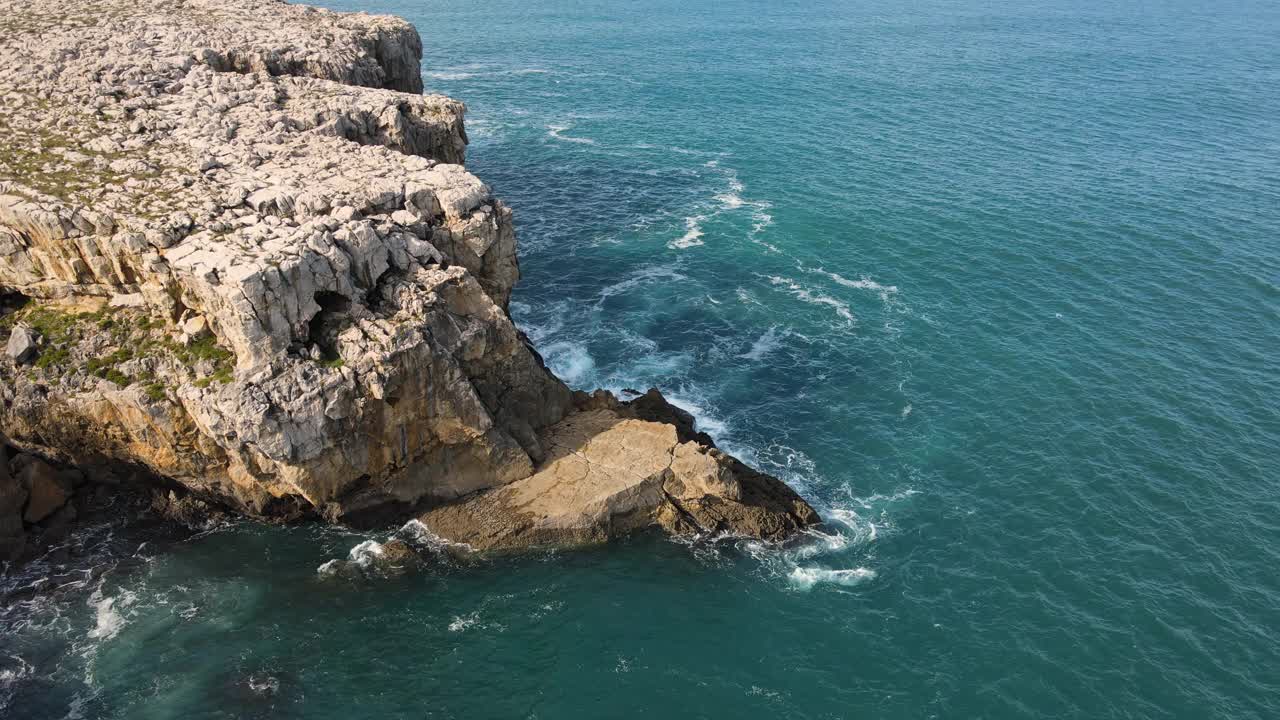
<point x="47" y="491"/>
<point x="195" y="327"/>
<point x="23" y="345"/>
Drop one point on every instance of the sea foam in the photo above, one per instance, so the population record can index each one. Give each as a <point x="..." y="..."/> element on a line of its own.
<point x="571" y="361"/>
<point x="769" y="341"/>
<point x="108" y="618"/>
<point x="805" y="578"/>
<point x="692" y="236"/>
<point x="812" y="297"/>
<point x="556" y="132"/>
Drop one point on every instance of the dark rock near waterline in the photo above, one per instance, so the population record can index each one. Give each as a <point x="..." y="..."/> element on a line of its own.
<point x="13" y="498"/>
<point x="46" y="491"/>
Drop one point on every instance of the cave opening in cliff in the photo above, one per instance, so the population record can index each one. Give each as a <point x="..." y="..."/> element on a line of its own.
<point x="333" y="317"/>
<point x="11" y="301"/>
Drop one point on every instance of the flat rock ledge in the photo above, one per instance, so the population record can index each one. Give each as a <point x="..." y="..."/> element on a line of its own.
<point x="614" y="467"/>
<point x="240" y="251"/>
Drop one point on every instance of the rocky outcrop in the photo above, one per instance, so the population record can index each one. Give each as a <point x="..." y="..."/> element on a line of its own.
<point x="614" y="467"/>
<point x="237" y="250"/>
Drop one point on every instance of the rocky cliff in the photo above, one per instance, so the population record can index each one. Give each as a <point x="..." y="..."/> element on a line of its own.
<point x="239" y="251"/>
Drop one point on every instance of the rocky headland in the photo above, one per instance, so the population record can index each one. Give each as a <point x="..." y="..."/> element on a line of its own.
<point x="241" y="260"/>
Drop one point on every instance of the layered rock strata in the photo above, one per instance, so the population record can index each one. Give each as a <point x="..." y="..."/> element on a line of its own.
<point x="614" y="467"/>
<point x="236" y="248"/>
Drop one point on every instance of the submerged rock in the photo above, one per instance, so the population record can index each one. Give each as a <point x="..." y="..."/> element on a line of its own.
<point x="374" y="559"/>
<point x="258" y="269"/>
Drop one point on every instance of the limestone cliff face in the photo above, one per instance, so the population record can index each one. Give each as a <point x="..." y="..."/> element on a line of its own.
<point x="236" y="249"/>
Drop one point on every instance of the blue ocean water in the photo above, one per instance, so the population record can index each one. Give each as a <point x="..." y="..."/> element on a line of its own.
<point x="995" y="284"/>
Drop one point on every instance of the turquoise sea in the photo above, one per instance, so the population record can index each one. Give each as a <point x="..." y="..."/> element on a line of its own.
<point x="995" y="283"/>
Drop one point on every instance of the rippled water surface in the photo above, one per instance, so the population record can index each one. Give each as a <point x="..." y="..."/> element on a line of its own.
<point x="996" y="284"/>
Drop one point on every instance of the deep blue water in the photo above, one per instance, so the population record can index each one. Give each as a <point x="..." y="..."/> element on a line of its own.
<point x="995" y="284"/>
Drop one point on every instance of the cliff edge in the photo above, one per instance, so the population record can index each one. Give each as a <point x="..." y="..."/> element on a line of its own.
<point x="239" y="251"/>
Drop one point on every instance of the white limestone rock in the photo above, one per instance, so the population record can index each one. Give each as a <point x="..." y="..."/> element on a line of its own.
<point x="23" y="345"/>
<point x="286" y="290"/>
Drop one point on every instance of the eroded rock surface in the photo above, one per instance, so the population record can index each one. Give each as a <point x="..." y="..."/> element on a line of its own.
<point x="237" y="249"/>
<point x="612" y="468"/>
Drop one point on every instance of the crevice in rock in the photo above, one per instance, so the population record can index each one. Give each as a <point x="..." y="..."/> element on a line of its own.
<point x="376" y="299"/>
<point x="327" y="324"/>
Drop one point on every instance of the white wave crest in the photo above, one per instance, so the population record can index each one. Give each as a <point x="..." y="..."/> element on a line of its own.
<point x="329" y="568"/>
<point x="9" y="676"/>
<point x="366" y="553"/>
<point x="819" y="543"/>
<point x="537" y="333"/>
<point x="863" y="283"/>
<point x="416" y="533"/>
<point x="731" y="201"/>
<point x="805" y="578"/>
<point x="703" y="419"/>
<point x="264" y="684"/>
<point x="450" y="75"/>
<point x="876" y="500"/>
<point x="861" y="530"/>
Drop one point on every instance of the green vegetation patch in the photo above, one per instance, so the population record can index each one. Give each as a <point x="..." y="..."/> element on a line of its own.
<point x="132" y="339"/>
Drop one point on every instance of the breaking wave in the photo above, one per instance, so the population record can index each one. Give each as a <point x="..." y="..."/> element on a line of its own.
<point x="806" y="578"/>
<point x="571" y="361"/>
<point x="109" y="619"/>
<point x="365" y="556"/>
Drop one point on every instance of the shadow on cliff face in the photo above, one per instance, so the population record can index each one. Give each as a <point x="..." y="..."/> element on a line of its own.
<point x="45" y="504"/>
<point x="98" y="525"/>
<point x="11" y="301"/>
<point x="327" y="324"/>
